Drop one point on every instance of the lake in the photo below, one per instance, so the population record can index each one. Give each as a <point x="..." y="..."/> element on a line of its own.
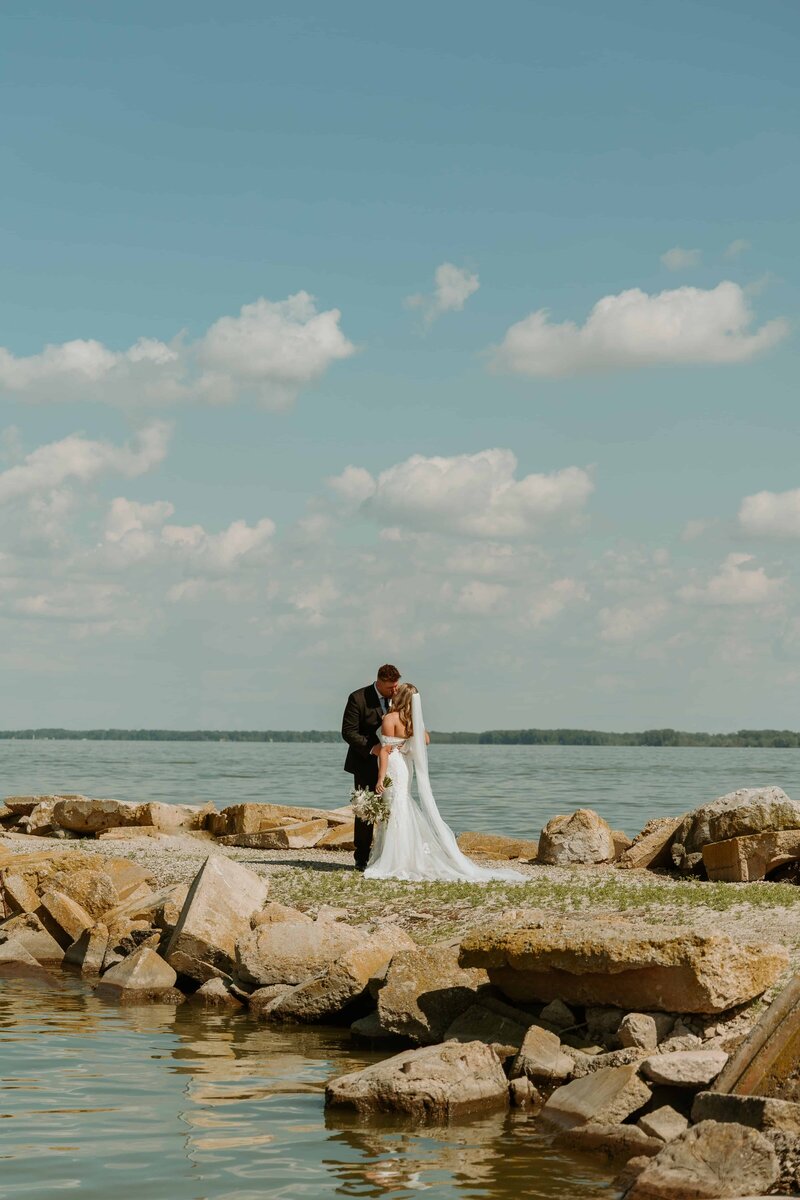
<point x="178" y="1104"/>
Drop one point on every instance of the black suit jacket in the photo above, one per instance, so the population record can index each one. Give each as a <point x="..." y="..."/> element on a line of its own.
<point x="360" y="724"/>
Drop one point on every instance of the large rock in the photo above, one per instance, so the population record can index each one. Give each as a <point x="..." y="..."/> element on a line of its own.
<point x="174" y="818"/>
<point x="425" y="990"/>
<point x="685" y="1068"/>
<point x="81" y="815"/>
<point x="18" y="893"/>
<point x="300" y="835"/>
<point x="542" y="1059"/>
<point x="127" y="876"/>
<point x="651" y="847"/>
<point x="497" y="846"/>
<point x="89" y="950"/>
<point x="215" y="915"/>
<point x="344" y="980"/>
<point x="759" y="1112"/>
<point x="143" y="972"/>
<point x="256" y="818"/>
<point x="582" y="837"/>
<point x="341" y="837"/>
<point x="93" y="890"/>
<point x="28" y="931"/>
<point x="664" y="1122"/>
<point x="618" y="960"/>
<point x="63" y="917"/>
<point x="492" y="1022"/>
<point x="745" y="859"/>
<point x="709" y="1160"/>
<point x="432" y="1083"/>
<point x="746" y="811"/>
<point x="606" y="1097"/>
<point x="292" y="952"/>
<point x="17" y="962"/>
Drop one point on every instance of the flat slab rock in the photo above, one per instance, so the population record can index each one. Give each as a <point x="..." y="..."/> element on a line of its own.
<point x="430" y="1083"/>
<point x="425" y="990"/>
<point x="622" y="961"/>
<point x="605" y="1097"/>
<point x="685" y="1068"/>
<point x="709" y="1160"/>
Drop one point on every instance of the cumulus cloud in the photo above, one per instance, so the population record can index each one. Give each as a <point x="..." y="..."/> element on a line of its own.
<point x="473" y="494"/>
<point x="771" y="514"/>
<point x="453" y="286"/>
<point x="137" y="533"/>
<point x="82" y="460"/>
<point x="555" y="597"/>
<point x="678" y="259"/>
<point x="633" y="329"/>
<point x="267" y="353"/>
<point x="736" y="247"/>
<point x="735" y="583"/>
<point x="627" y="622"/>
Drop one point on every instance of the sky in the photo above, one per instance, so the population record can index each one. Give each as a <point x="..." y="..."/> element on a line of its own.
<point x="459" y="336"/>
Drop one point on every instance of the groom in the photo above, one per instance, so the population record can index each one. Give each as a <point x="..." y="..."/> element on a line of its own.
<point x="363" y="714"/>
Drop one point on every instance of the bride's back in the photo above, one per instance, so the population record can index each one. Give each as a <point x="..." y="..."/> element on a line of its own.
<point x="393" y="726"/>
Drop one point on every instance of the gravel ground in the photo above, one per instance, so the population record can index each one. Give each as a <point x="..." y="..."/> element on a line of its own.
<point x="308" y="879"/>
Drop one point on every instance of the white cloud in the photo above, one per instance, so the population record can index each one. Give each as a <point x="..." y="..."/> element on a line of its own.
<point x="773" y="514"/>
<point x="480" y="599"/>
<point x="267" y="353"/>
<point x="555" y="597"/>
<point x="473" y="494"/>
<point x="128" y="516"/>
<point x="77" y="458"/>
<point x="453" y="287"/>
<point x="354" y="485"/>
<point x="734" y="583"/>
<point x="695" y="528"/>
<point x="736" y="247"/>
<point x="678" y="259"/>
<point x="633" y="329"/>
<point x="627" y="622"/>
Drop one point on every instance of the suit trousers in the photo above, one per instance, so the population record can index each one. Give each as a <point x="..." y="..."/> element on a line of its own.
<point x="365" y="776"/>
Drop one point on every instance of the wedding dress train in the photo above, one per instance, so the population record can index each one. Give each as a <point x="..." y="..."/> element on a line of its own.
<point x="415" y="843"/>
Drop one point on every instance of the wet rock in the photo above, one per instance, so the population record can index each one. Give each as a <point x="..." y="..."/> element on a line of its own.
<point x="620" y="960"/>
<point x="28" y="931"/>
<point x="542" y="1059"/>
<point x="496" y="846"/>
<point x="343" y="980"/>
<point x="214" y="994"/>
<point x="425" y="990"/>
<point x="89" y="950"/>
<point x="665" y="1123"/>
<point x="638" y="1029"/>
<point x="685" y="1068"/>
<point x="292" y="952"/>
<point x="432" y="1083"/>
<point x="523" y="1094"/>
<point x="216" y="914"/>
<point x="746" y="811"/>
<point x="18" y="963"/>
<point x="262" y="999"/>
<point x="606" y="1097"/>
<point x="614" y="1141"/>
<point x="142" y="971"/>
<point x="582" y="837"/>
<point x="709" y="1160"/>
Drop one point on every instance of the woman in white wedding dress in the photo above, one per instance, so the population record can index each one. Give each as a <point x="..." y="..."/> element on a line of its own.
<point x="415" y="843"/>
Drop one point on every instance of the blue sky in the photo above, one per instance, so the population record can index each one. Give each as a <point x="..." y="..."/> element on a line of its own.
<point x="574" y="492"/>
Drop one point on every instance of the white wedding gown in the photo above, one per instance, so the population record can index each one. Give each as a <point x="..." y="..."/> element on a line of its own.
<point x="415" y="843"/>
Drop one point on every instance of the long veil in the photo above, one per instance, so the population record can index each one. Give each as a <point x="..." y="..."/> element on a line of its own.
<point x="440" y="841"/>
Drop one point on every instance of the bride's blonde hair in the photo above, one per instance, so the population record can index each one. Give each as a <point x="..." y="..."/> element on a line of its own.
<point x="401" y="704"/>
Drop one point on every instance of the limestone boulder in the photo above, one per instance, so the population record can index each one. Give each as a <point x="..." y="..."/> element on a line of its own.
<point x="274" y="912"/>
<point x="215" y="915"/>
<point x="341" y="837"/>
<point x="63" y="917"/>
<point x="746" y="811"/>
<point x="89" y="950"/>
<point x="746" y="859"/>
<point x="41" y="821"/>
<point x="17" y="962"/>
<point x="665" y="1123"/>
<point x="82" y="815"/>
<point x="18" y="893"/>
<point x="434" y="1083"/>
<point x="174" y="818"/>
<point x="93" y="890"/>
<point x="255" y="818"/>
<point x="638" y="1029"/>
<point x="27" y="930"/>
<point x="214" y="994"/>
<point x="127" y="876"/>
<point x="288" y="952"/>
<point x="496" y="846"/>
<point x="425" y="989"/>
<point x="542" y="1058"/>
<point x="605" y="1097"/>
<point x="651" y="847"/>
<point x="143" y="972"/>
<point x="759" y="1112"/>
<point x="583" y="837"/>
<point x="343" y="980"/>
<point x="685" y="1068"/>
<point x="492" y="1022"/>
<point x="620" y="960"/>
<point x="709" y="1160"/>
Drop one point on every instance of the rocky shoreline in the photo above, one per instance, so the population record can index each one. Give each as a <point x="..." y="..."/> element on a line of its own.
<point x="628" y="1011"/>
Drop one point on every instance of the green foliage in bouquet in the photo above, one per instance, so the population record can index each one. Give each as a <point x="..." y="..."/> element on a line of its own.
<point x="371" y="807"/>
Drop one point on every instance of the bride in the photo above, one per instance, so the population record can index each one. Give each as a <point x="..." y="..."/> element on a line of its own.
<point x="415" y="843"/>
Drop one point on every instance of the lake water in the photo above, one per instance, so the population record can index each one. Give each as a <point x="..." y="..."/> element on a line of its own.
<point x="177" y="1104"/>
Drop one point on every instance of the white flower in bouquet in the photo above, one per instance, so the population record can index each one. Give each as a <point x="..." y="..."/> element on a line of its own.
<point x="371" y="807"/>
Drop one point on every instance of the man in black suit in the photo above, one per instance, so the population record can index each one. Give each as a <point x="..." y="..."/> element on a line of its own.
<point x="363" y="714"/>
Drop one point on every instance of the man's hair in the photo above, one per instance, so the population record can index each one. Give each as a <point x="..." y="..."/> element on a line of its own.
<point x="388" y="674"/>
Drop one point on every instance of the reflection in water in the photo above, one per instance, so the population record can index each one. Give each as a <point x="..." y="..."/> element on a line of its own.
<point x="175" y="1102"/>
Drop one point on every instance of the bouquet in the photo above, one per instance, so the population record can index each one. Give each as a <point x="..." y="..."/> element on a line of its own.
<point x="371" y="807"/>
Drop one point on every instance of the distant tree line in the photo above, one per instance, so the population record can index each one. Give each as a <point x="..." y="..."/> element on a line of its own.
<point x="776" y="738"/>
